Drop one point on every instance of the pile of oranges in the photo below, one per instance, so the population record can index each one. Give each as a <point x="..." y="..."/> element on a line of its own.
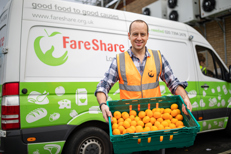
<point x="148" y="120"/>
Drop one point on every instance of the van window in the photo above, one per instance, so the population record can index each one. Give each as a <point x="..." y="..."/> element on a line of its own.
<point x="209" y="63"/>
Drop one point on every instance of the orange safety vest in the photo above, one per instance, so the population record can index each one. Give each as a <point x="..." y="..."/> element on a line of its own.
<point x="132" y="85"/>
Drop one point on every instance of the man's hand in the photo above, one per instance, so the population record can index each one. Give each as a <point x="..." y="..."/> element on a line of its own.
<point x="106" y="112"/>
<point x="188" y="104"/>
<point x="180" y="91"/>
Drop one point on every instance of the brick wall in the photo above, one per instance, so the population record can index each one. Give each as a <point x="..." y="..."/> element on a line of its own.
<point x="213" y="31"/>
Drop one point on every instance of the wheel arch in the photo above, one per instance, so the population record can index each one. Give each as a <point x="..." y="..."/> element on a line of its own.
<point x="93" y="123"/>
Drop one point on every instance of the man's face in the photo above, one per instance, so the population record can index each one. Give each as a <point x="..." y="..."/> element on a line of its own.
<point x="138" y="36"/>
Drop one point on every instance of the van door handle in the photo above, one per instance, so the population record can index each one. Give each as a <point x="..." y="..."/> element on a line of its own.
<point x="205" y="86"/>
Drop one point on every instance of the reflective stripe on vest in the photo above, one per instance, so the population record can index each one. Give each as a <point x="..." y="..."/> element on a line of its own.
<point x="136" y="86"/>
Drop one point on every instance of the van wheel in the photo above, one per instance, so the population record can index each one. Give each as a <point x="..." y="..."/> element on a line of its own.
<point x="228" y="127"/>
<point x="91" y="140"/>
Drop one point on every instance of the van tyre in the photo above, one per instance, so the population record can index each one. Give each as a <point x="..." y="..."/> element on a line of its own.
<point x="228" y="127"/>
<point x="91" y="140"/>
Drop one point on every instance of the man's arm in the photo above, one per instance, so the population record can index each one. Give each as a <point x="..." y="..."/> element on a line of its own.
<point x="180" y="91"/>
<point x="104" y="86"/>
<point x="101" y="98"/>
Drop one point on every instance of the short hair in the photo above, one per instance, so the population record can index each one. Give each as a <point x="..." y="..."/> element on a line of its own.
<point x="138" y="20"/>
<point x="201" y="57"/>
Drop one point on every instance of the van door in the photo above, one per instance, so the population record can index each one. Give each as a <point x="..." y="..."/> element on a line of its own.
<point x="214" y="89"/>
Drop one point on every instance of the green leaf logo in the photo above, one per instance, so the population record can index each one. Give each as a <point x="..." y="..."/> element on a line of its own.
<point x="47" y="57"/>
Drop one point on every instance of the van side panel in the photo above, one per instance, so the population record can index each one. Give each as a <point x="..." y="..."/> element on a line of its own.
<point x="12" y="58"/>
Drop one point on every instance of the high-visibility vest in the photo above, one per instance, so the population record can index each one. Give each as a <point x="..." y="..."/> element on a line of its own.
<point x="132" y="85"/>
<point x="203" y="70"/>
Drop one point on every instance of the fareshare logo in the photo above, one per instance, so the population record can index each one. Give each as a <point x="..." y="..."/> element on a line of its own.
<point x="47" y="57"/>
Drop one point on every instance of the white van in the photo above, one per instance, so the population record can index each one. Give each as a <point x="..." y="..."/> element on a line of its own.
<point x="54" y="53"/>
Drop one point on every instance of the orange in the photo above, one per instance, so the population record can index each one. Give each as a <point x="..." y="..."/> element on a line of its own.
<point x="174" y="106"/>
<point x="115" y="126"/>
<point x="125" y="115"/>
<point x="146" y="119"/>
<point x="160" y="127"/>
<point x="178" y="110"/>
<point x="160" y="120"/>
<point x="174" y="120"/>
<point x="164" y="123"/>
<point x="166" y="116"/>
<point x="126" y="124"/>
<point x="129" y="130"/>
<point x="146" y="129"/>
<point x="172" y="126"/>
<point x="120" y="123"/>
<point x="154" y="128"/>
<point x="116" y="132"/>
<point x="117" y="114"/>
<point x="161" y="110"/>
<point x="121" y="128"/>
<point x="137" y="118"/>
<point x="179" y="117"/>
<point x="180" y="126"/>
<point x="132" y="112"/>
<point x="167" y="110"/>
<point x="168" y="121"/>
<point x="132" y="117"/>
<point x="124" y="131"/>
<point x="146" y="111"/>
<point x="179" y="123"/>
<point x="170" y="117"/>
<point x="140" y="123"/>
<point x="149" y="113"/>
<point x="134" y="128"/>
<point x="120" y="120"/>
<point x="148" y="125"/>
<point x="157" y="123"/>
<point x="157" y="115"/>
<point x="142" y="114"/>
<point x="128" y="120"/>
<point x="133" y="123"/>
<point x="139" y="129"/>
<point x="114" y="120"/>
<point x="152" y="120"/>
<point x="174" y="112"/>
<point x="167" y="128"/>
<point x="154" y="110"/>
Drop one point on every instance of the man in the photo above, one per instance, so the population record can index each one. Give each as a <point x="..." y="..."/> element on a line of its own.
<point x="138" y="55"/>
<point x="202" y="63"/>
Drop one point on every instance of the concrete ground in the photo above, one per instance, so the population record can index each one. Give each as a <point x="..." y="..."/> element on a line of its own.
<point x="216" y="142"/>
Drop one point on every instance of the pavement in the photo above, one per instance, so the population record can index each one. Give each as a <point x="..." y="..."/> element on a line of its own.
<point x="216" y="142"/>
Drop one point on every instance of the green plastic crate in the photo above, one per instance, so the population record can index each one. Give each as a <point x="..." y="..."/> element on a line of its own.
<point x="128" y="143"/>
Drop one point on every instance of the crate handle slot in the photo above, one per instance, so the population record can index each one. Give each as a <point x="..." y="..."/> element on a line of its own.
<point x="139" y="140"/>
<point x="130" y="107"/>
<point x="161" y="138"/>
<point x="171" y="137"/>
<point x="127" y="103"/>
<point x="149" y="139"/>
